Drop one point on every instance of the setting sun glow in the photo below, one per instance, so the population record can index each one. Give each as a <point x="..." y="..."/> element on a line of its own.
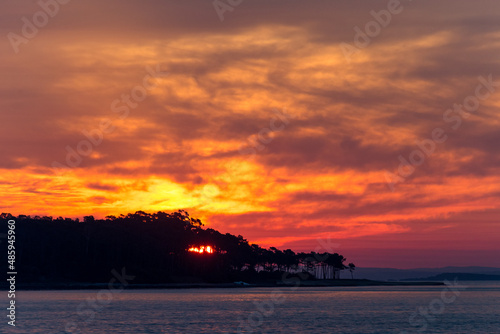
<point x="202" y="249"/>
<point x="283" y="126"/>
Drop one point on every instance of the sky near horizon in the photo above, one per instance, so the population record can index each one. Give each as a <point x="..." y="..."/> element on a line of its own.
<point x="370" y="126"/>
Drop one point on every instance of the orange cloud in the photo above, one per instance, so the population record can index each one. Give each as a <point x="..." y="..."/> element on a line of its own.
<point x="261" y="127"/>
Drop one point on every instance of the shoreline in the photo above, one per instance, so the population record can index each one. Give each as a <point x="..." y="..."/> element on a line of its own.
<point x="173" y="286"/>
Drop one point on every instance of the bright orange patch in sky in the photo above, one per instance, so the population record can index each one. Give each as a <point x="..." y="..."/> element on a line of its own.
<point x="259" y="125"/>
<point x="202" y="249"/>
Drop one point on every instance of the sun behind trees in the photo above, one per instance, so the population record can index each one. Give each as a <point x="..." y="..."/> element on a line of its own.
<point x="155" y="248"/>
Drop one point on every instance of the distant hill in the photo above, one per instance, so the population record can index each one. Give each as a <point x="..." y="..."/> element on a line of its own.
<point x="389" y="274"/>
<point x="458" y="276"/>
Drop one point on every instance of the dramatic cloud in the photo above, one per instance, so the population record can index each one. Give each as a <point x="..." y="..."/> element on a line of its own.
<point x="262" y="124"/>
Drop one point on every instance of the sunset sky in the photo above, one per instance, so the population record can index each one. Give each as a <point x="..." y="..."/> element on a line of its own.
<point x="280" y="122"/>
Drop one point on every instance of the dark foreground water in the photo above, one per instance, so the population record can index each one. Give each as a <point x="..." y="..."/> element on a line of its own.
<point x="475" y="309"/>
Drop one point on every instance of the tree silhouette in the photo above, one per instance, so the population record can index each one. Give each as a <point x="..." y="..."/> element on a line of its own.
<point x="352" y="267"/>
<point x="152" y="246"/>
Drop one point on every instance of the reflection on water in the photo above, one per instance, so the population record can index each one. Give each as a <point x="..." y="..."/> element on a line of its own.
<point x="261" y="310"/>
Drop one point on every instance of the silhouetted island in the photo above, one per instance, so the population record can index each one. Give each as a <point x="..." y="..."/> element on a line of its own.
<point x="458" y="276"/>
<point x="161" y="250"/>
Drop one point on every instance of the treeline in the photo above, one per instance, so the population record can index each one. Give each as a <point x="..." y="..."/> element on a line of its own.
<point x="155" y="248"/>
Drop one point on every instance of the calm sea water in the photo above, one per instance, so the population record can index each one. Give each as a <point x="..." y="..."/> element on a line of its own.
<point x="264" y="310"/>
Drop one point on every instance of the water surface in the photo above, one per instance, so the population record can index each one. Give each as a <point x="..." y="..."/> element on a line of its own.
<point x="263" y="310"/>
